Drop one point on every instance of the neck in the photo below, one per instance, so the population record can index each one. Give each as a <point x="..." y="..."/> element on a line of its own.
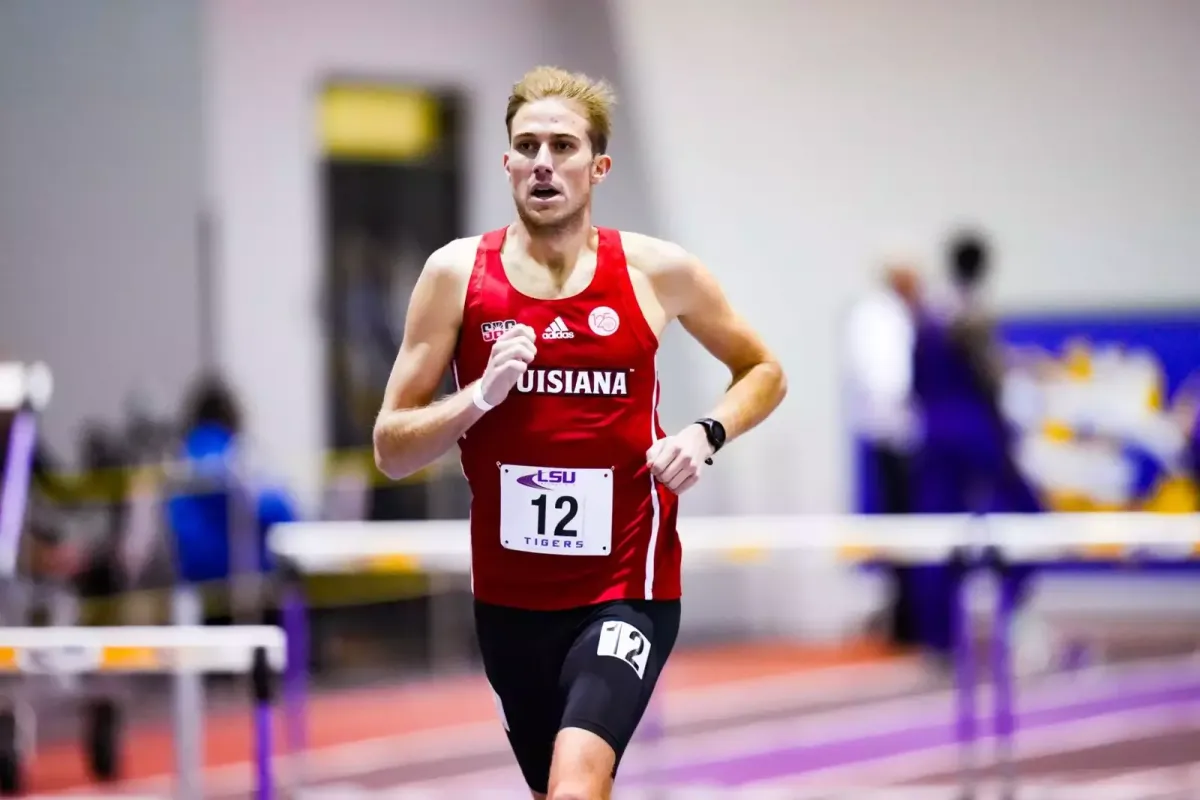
<point x="557" y="248"/>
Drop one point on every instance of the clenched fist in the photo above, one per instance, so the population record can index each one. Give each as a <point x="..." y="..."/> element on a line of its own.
<point x="678" y="460"/>
<point x="511" y="355"/>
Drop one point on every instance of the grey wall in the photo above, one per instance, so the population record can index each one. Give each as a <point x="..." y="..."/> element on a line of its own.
<point x="100" y="186"/>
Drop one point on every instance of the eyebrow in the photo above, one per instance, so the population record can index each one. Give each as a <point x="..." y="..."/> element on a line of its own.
<point x="556" y="135"/>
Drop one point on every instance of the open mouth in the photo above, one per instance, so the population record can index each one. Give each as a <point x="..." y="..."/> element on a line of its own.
<point x="545" y="192"/>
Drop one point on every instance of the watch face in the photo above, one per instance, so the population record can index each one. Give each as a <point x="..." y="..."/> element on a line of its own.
<point x="716" y="432"/>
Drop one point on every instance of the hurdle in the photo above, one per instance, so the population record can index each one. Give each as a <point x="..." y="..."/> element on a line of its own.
<point x="996" y="543"/>
<point x="255" y="650"/>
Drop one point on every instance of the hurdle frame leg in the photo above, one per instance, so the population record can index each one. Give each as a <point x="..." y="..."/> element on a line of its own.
<point x="966" y="716"/>
<point x="295" y="621"/>
<point x="188" y="700"/>
<point x="263" y="691"/>
<point x="1003" y="679"/>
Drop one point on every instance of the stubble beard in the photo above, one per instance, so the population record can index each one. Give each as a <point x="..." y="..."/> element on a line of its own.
<point x="560" y="225"/>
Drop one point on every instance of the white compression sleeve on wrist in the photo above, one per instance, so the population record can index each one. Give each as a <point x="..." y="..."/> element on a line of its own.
<point x="477" y="398"/>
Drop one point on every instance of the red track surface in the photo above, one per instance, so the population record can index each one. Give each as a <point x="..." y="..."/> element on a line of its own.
<point x="358" y="715"/>
<point x="445" y="735"/>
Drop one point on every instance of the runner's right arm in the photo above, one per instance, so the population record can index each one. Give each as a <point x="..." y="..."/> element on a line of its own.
<point x="412" y="431"/>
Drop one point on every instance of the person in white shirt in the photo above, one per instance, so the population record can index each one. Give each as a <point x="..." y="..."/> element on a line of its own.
<point x="879" y="350"/>
<point x="880" y="335"/>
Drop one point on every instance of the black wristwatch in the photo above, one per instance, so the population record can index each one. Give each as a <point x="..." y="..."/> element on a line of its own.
<point x="715" y="432"/>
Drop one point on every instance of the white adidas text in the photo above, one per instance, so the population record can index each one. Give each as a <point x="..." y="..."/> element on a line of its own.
<point x="557" y="330"/>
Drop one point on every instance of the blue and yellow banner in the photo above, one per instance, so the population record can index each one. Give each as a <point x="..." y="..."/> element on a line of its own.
<point x="1102" y="404"/>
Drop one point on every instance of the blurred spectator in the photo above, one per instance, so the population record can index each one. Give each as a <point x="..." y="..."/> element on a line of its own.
<point x="965" y="462"/>
<point x="104" y="487"/>
<point x="220" y="504"/>
<point x="880" y="339"/>
<point x="212" y="407"/>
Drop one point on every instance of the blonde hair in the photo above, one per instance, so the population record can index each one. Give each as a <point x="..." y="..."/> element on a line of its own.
<point x="596" y="97"/>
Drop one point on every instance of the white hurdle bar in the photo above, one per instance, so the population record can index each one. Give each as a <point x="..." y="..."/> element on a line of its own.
<point x="256" y="650"/>
<point x="970" y="542"/>
<point x="444" y="545"/>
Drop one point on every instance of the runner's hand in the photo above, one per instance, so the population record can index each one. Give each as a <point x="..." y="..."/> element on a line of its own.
<point x="677" y="461"/>
<point x="511" y="355"/>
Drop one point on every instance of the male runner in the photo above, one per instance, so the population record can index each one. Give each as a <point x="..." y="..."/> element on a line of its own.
<point x="551" y="326"/>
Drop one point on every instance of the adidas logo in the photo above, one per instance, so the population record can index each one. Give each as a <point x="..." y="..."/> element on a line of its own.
<point x="557" y="330"/>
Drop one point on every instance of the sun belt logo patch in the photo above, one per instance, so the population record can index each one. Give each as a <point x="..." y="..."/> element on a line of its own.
<point x="494" y="330"/>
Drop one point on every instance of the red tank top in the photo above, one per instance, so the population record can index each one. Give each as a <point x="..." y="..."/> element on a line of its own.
<point x="564" y="510"/>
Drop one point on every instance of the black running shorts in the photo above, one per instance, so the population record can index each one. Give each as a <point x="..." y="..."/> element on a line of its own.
<point x="592" y="668"/>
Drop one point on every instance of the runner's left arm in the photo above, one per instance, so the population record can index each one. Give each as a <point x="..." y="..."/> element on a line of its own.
<point x="758" y="385"/>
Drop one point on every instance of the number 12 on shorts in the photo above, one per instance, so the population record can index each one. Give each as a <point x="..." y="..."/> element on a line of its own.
<point x="622" y="640"/>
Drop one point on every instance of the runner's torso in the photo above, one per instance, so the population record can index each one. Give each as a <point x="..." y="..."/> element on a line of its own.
<point x="564" y="511"/>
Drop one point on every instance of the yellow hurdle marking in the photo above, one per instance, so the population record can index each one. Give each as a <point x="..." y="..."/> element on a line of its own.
<point x="746" y="554"/>
<point x="110" y="659"/>
<point x="131" y="658"/>
<point x="393" y="562"/>
<point x="1104" y="550"/>
<point x="857" y="552"/>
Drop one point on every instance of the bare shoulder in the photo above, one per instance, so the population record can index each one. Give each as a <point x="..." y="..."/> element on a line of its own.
<point x="453" y="260"/>
<point x="652" y="256"/>
<point x="447" y="274"/>
<point x="674" y="274"/>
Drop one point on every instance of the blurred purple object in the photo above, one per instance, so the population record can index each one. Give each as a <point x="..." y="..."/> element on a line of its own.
<point x="15" y="492"/>
<point x="294" y="688"/>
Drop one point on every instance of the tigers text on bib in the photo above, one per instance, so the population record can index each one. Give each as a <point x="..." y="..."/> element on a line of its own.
<point x="562" y="512"/>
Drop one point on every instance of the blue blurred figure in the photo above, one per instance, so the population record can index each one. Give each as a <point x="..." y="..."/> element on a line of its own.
<point x="203" y="511"/>
<point x="965" y="461"/>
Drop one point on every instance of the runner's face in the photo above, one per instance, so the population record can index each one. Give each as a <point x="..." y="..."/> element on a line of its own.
<point x="550" y="163"/>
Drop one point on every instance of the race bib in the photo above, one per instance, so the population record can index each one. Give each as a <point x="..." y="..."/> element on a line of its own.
<point x="561" y="512"/>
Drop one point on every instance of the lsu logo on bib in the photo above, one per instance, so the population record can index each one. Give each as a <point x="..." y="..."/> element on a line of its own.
<point x="544" y="478"/>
